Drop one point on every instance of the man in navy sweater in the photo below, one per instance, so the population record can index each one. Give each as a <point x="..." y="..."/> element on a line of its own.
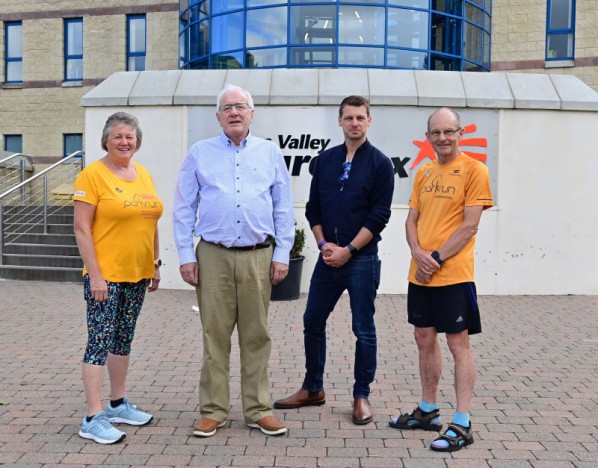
<point x="348" y="207"/>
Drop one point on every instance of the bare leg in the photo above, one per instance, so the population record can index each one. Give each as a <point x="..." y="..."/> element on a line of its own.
<point x="118" y="367"/>
<point x="430" y="362"/>
<point x="465" y="369"/>
<point x="93" y="378"/>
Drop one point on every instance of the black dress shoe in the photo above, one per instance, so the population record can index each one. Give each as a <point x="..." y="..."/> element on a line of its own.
<point x="362" y="412"/>
<point x="300" y="398"/>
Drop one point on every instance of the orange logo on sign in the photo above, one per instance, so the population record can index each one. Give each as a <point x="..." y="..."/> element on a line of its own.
<point x="426" y="150"/>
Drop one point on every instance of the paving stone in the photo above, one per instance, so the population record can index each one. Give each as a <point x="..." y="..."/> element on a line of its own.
<point x="535" y="401"/>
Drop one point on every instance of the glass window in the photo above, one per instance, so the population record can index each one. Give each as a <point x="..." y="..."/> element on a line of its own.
<point x="474" y="14"/>
<point x="313" y="24"/>
<point x="267" y="27"/>
<point x="560" y="15"/>
<point x="453" y="7"/>
<point x="73" y="49"/>
<point x="72" y="142"/>
<point x="14" y="52"/>
<point x="361" y="56"/>
<point x="13" y="143"/>
<point x="227" y="32"/>
<point x="230" y="61"/>
<point x="266" y="58"/>
<point x="446" y="34"/>
<point x="317" y="56"/>
<point x="408" y="28"/>
<point x="410" y="3"/>
<point x="473" y="49"/>
<point x="560" y="34"/>
<point x="136" y="48"/>
<point x="199" y="33"/>
<point x="361" y="25"/>
<point x="396" y="58"/>
<point x="221" y="6"/>
<point x="253" y="3"/>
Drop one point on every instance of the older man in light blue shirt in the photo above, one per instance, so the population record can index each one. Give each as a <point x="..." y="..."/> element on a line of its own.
<point x="234" y="193"/>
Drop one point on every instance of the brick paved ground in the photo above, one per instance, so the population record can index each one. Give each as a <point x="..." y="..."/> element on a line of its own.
<point x="536" y="401"/>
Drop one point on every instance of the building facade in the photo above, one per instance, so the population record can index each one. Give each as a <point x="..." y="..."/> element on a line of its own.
<point x="53" y="53"/>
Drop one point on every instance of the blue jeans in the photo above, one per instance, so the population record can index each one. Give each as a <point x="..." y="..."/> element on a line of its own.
<point x="360" y="276"/>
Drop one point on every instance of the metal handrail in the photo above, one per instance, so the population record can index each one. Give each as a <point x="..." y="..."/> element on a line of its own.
<point x="46" y="170"/>
<point x="17" y="155"/>
<point x="21" y="186"/>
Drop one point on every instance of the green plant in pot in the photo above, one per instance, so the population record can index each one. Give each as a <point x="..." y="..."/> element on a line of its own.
<point x="290" y="288"/>
<point x="298" y="245"/>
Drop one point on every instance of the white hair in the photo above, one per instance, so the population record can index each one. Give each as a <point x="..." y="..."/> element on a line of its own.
<point x="230" y="87"/>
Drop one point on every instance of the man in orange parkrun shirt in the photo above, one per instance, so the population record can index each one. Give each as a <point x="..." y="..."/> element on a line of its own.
<point x="445" y="208"/>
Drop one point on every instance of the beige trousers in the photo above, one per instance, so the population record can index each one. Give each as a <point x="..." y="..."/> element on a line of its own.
<point x="234" y="289"/>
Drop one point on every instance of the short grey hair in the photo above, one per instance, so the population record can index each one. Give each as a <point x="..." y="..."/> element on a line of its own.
<point x="121" y="118"/>
<point x="455" y="114"/>
<point x="230" y="87"/>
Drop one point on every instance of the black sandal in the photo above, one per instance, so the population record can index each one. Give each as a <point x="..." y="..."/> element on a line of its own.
<point x="464" y="438"/>
<point x="418" y="419"/>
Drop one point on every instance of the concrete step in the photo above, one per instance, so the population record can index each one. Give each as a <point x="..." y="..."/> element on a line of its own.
<point x="45" y="239"/>
<point x="40" y="249"/>
<point x="28" y="273"/>
<point x="68" y="261"/>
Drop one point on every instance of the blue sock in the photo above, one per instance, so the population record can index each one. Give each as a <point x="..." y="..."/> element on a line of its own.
<point x="427" y="407"/>
<point x="459" y="418"/>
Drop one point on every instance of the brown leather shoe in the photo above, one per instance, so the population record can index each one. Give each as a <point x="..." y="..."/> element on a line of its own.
<point x="362" y="412"/>
<point x="206" y="427"/>
<point x="302" y="397"/>
<point x="269" y="425"/>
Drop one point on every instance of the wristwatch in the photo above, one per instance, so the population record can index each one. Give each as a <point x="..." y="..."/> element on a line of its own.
<point x="158" y="263"/>
<point x="436" y="256"/>
<point x="352" y="248"/>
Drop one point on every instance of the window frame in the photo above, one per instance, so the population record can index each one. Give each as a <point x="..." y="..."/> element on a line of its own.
<point x="7" y="59"/>
<point x="67" y="56"/>
<point x="10" y="137"/>
<point x="560" y="31"/>
<point x="65" y="137"/>
<point x="130" y="54"/>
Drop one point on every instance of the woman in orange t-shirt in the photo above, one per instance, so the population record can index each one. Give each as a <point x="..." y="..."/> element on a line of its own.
<point x="116" y="215"/>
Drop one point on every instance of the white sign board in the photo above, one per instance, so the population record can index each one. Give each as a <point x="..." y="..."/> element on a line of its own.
<point x="399" y="132"/>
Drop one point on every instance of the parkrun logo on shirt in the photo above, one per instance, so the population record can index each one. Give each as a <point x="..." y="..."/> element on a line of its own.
<point x="142" y="200"/>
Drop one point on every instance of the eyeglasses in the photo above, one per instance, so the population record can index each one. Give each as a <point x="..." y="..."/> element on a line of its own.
<point x="345" y="175"/>
<point x="434" y="134"/>
<point x="240" y="106"/>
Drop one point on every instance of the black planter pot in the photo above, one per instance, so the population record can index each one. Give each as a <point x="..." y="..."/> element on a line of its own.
<point x="289" y="288"/>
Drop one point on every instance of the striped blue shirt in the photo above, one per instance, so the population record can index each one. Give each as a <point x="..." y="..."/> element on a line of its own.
<point x="243" y="195"/>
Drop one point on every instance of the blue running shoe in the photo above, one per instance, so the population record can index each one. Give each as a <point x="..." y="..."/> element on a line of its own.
<point x="127" y="413"/>
<point x="100" y="430"/>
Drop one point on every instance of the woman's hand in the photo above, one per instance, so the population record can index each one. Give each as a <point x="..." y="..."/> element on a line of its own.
<point x="154" y="283"/>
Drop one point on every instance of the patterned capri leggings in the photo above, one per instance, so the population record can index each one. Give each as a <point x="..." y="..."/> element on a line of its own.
<point x="111" y="324"/>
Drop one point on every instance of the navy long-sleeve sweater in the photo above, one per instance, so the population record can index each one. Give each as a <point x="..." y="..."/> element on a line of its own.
<point x="364" y="200"/>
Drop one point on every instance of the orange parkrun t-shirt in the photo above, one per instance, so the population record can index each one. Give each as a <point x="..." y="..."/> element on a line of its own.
<point x="125" y="221"/>
<point x="440" y="194"/>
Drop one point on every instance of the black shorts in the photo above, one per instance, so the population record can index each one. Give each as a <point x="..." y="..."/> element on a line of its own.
<point x="449" y="309"/>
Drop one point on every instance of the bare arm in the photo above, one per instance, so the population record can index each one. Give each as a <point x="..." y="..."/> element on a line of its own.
<point x="463" y="234"/>
<point x="426" y="265"/>
<point x="84" y="215"/>
<point x="154" y="283"/>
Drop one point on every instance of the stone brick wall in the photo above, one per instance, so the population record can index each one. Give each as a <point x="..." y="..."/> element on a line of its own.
<point x="44" y="108"/>
<point x="519" y="39"/>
